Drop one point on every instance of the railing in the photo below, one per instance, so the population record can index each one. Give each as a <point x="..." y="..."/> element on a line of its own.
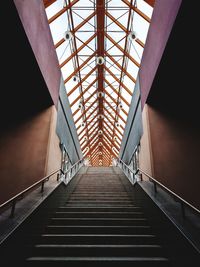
<point x="68" y="175"/>
<point x="130" y="174"/>
<point x="17" y="197"/>
<point x="182" y="201"/>
<point x="156" y="183"/>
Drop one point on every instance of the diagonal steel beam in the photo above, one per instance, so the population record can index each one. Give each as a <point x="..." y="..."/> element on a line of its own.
<point x="110" y="150"/>
<point x="118" y="80"/>
<point x="122" y="50"/>
<point x="85" y="111"/>
<point x="85" y="102"/>
<point x="78" y="50"/>
<point x="86" y="118"/>
<point x="89" y="122"/>
<point x="62" y="11"/>
<point x="112" y="143"/>
<point x="77" y="59"/>
<point x="112" y="123"/>
<point x="79" y="68"/>
<point x="84" y="79"/>
<point x="93" y="151"/>
<point x="121" y="68"/>
<point x="115" y="91"/>
<point x="114" y="101"/>
<point x="48" y="2"/>
<point x="123" y="28"/>
<point x="108" y="136"/>
<point x="124" y="65"/>
<point x="90" y="140"/>
<point x="76" y="28"/>
<point x="112" y="129"/>
<point x="115" y="111"/>
<point x="81" y="143"/>
<point x="139" y="12"/>
<point x="82" y="94"/>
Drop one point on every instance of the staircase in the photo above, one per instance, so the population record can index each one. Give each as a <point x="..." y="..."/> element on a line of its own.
<point x="100" y="219"/>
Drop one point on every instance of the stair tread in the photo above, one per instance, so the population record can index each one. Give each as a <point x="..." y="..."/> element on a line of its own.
<point x="97" y="259"/>
<point x="96" y="246"/>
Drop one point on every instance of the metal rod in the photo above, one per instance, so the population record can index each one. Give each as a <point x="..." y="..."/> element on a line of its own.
<point x="13" y="208"/>
<point x="42" y="187"/>
<point x="155" y="187"/>
<point x="182" y="209"/>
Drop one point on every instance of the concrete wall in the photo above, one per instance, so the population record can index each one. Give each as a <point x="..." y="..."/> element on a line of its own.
<point x="53" y="159"/>
<point x="133" y="129"/>
<point x="145" y="154"/>
<point x="28" y="151"/>
<point x="175" y="147"/>
<point x="65" y="128"/>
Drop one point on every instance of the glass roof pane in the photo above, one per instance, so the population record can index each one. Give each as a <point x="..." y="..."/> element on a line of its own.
<point x="78" y="57"/>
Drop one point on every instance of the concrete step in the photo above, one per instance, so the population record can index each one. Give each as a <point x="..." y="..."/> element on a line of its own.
<point x="98" y="221"/>
<point x="98" y="229"/>
<point x="101" y="239"/>
<point x="99" y="261"/>
<point x="99" y="209"/>
<point x="153" y="250"/>
<point x="95" y="214"/>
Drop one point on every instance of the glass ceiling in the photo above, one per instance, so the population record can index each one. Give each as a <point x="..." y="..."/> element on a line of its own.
<point x="99" y="45"/>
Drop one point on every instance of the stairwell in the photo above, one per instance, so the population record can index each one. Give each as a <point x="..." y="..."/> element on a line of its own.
<point x="99" y="219"/>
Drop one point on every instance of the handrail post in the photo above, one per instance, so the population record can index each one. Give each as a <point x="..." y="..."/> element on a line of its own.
<point x="155" y="187"/>
<point x="182" y="209"/>
<point x="58" y="177"/>
<point x="13" y="208"/>
<point x="42" y="187"/>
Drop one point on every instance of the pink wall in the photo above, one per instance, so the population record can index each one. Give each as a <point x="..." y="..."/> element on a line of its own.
<point x="163" y="17"/>
<point x="34" y="20"/>
<point x="23" y="152"/>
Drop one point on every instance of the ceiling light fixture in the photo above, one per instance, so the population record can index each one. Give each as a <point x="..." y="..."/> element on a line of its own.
<point x="120" y="105"/>
<point x="100" y="116"/>
<point x="101" y="94"/>
<point x="117" y="124"/>
<point x="100" y="60"/>
<point x="132" y="36"/>
<point x="67" y="35"/>
<point x="75" y="78"/>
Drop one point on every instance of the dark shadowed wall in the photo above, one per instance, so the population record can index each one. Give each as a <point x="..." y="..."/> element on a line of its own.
<point x="173" y="127"/>
<point x="35" y="23"/>
<point x="25" y="107"/>
<point x="176" y="154"/>
<point x="162" y="20"/>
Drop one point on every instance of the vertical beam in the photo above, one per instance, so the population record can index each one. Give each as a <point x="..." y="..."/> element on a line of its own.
<point x="100" y="51"/>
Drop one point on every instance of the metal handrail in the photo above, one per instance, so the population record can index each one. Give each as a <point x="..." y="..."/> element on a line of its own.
<point x="73" y="166"/>
<point x="167" y="189"/>
<point x="163" y="186"/>
<point x="14" y="199"/>
<point x="127" y="166"/>
<point x="70" y="171"/>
